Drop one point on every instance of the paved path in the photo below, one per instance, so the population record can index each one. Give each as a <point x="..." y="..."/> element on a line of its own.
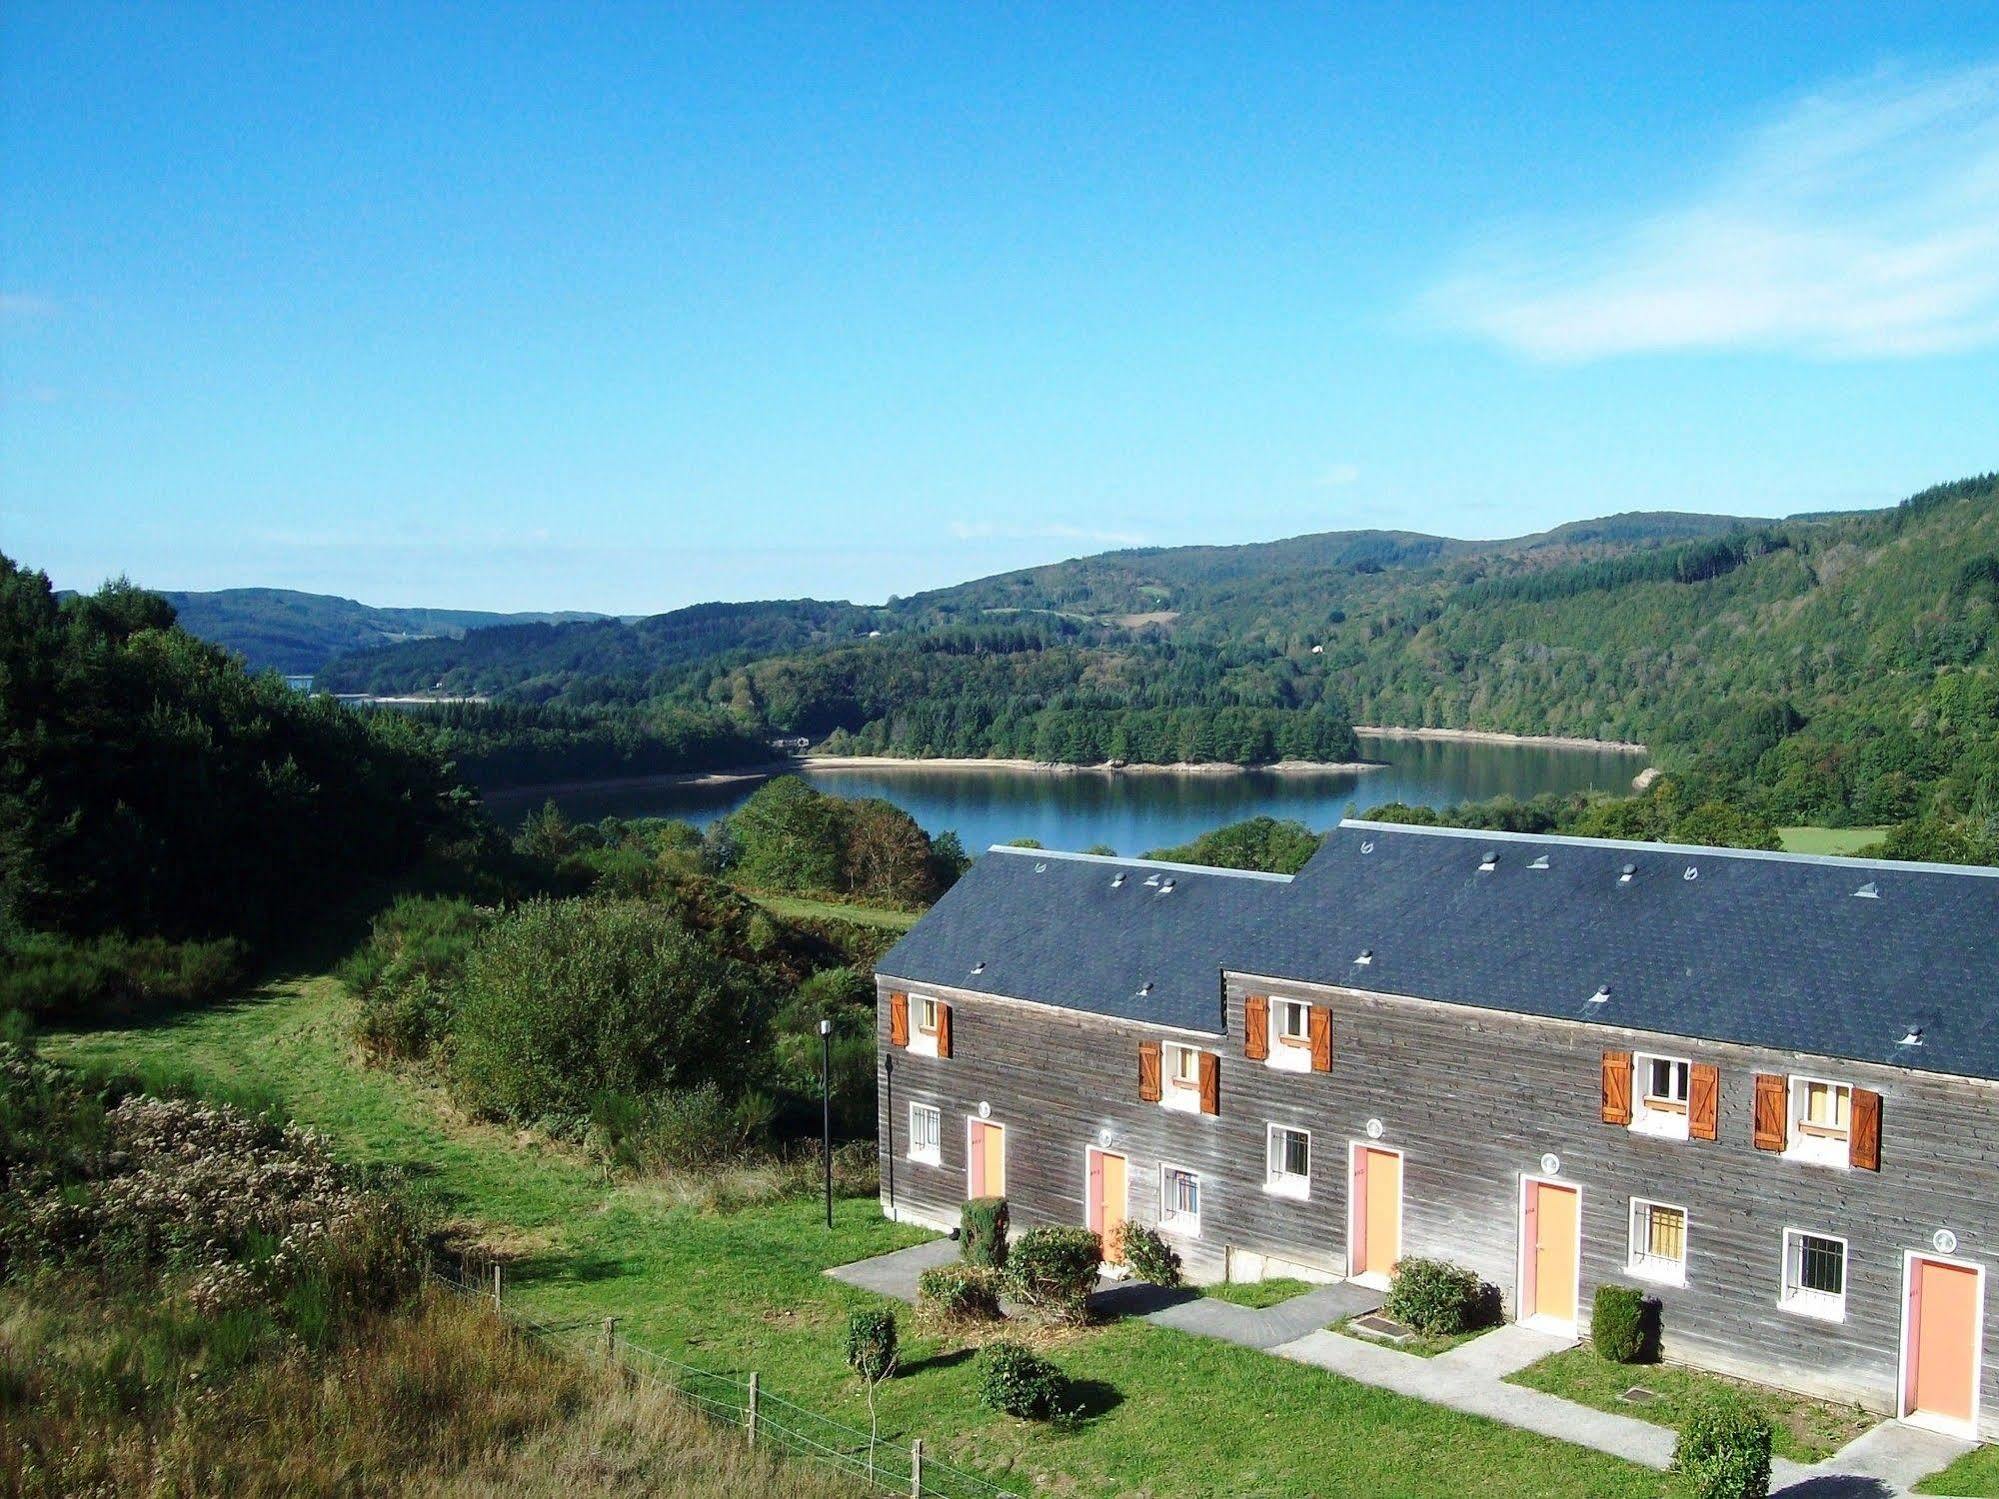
<point x="1882" y="1462"/>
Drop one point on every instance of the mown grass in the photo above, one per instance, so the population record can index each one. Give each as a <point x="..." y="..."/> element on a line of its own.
<point x="1258" y="1294"/>
<point x="1829" y="840"/>
<point x="1170" y="1414"/>
<point x="1973" y="1476"/>
<point x="798" y="908"/>
<point x="1805" y="1430"/>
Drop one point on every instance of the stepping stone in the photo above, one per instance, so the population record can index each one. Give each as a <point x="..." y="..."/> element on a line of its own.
<point x="1639" y="1395"/>
<point x="1374" y="1325"/>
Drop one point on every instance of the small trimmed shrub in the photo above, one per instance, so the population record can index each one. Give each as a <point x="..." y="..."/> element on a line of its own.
<point x="871" y="1344"/>
<point x="1021" y="1383"/>
<point x="1724" y="1451"/>
<point x="959" y="1293"/>
<point x="1435" y="1297"/>
<point x="1149" y="1257"/>
<point x="983" y="1222"/>
<point x="1054" y="1270"/>
<point x="1617" y="1324"/>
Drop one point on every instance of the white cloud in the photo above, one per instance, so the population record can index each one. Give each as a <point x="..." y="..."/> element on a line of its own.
<point x="1862" y="221"/>
<point x="1339" y="476"/>
<point x="989" y="531"/>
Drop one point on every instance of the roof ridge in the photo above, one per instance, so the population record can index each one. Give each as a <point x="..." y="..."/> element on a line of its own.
<point x="1570" y="840"/>
<point x="1056" y="853"/>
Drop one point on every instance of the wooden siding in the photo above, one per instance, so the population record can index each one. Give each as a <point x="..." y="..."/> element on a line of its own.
<point x="1474" y="1099"/>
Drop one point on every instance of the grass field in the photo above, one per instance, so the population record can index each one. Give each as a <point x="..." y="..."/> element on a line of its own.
<point x="1170" y="1414"/>
<point x="800" y="909"/>
<point x="1829" y="840"/>
<point x="1805" y="1430"/>
<point x="1256" y="1293"/>
<point x="1973" y="1476"/>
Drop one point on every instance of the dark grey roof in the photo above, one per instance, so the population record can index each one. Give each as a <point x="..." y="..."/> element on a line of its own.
<point x="1054" y="928"/>
<point x="1773" y="950"/>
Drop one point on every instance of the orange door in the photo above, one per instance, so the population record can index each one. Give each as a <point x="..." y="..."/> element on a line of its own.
<point x="986" y="1160"/>
<point x="1377" y="1211"/>
<point x="1944" y="1321"/>
<point x="1550" y="1242"/>
<point x="1108" y="1178"/>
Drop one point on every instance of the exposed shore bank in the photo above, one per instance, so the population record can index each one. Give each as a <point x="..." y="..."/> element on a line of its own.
<point x="1109" y="768"/>
<point x="1493" y="736"/>
<point x="728" y="776"/>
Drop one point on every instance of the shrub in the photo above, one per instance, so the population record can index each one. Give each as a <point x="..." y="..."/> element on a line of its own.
<point x="1054" y="1270"/>
<point x="959" y="1293"/>
<point x="1020" y="1383"/>
<point x="406" y="973"/>
<point x="685" y="1129"/>
<point x="982" y="1222"/>
<point x="871" y="1344"/>
<point x="1150" y="1257"/>
<point x="1724" y="1450"/>
<point x="1618" y="1324"/>
<point x="68" y="978"/>
<point x="1436" y="1298"/>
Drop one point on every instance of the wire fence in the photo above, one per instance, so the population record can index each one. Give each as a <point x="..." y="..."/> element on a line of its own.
<point x="766" y="1419"/>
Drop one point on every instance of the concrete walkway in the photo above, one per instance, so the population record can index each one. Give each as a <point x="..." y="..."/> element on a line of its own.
<point x="1882" y="1462"/>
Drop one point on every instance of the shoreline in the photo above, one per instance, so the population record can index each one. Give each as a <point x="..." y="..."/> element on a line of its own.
<point x="1495" y="736"/>
<point x="728" y="776"/>
<point x="1106" y="768"/>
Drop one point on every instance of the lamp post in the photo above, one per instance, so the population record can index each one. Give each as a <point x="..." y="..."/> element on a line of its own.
<point x="826" y="1110"/>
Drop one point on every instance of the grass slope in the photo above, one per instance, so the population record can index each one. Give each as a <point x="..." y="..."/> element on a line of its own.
<point x="1830" y="840"/>
<point x="1173" y="1414"/>
<point x="798" y="908"/>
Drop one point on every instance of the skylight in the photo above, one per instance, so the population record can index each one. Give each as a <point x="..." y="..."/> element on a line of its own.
<point x="1868" y="891"/>
<point x="1602" y="995"/>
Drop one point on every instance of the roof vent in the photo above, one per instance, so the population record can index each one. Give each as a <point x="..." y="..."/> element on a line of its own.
<point x="1624" y="875"/>
<point x="979" y="967"/>
<point x="1117" y="879"/>
<point x="1166" y="887"/>
<point x="1143" y="990"/>
<point x="1913" y="1038"/>
<point x="1367" y="846"/>
<point x="1602" y="995"/>
<point x="1868" y="891"/>
<point x="1151" y="880"/>
<point x="1041" y="868"/>
<point x="1489" y="862"/>
<point x="1690" y="873"/>
<point x="1540" y="863"/>
<point x="1366" y="957"/>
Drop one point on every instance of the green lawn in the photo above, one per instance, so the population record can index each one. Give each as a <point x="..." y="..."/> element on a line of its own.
<point x="1172" y="1414"/>
<point x="799" y="908"/>
<point x="1973" y="1476"/>
<point x="1418" y="1344"/>
<point x="1829" y="840"/>
<point x="1257" y="1293"/>
<point x="1806" y="1430"/>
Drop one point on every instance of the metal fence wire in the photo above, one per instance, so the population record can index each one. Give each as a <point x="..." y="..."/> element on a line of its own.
<point x="765" y="1418"/>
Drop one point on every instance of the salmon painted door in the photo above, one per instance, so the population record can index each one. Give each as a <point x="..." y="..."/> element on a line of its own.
<point x="1943" y="1326"/>
<point x="1377" y="1211"/>
<point x="1109" y="1176"/>
<point x="986" y="1160"/>
<point x="1550" y="1224"/>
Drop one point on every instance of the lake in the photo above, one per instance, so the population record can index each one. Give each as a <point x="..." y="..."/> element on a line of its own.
<point x="1133" y="813"/>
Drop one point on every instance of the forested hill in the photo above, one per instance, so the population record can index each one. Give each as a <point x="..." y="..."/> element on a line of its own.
<point x="282" y="630"/>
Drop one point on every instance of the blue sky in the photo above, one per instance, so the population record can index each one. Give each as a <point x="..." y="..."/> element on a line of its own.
<point x="622" y="308"/>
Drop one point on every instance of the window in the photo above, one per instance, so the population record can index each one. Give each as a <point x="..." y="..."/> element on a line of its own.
<point x="1183" y="1079"/>
<point x="1821" y="1120"/>
<point x="1289" y="1168"/>
<point x="926" y="1016"/>
<point x="1658" y="1242"/>
<point x="1662" y="1096"/>
<point x="1291" y="1035"/>
<point x="925" y="1134"/>
<point x="1814" y="1275"/>
<point x="1179" y="1201"/>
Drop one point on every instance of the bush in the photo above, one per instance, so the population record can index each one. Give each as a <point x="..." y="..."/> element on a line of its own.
<point x="1149" y="1257"/>
<point x="959" y="1293"/>
<point x="68" y="978"/>
<point x="1618" y="1324"/>
<point x="1724" y="1450"/>
<point x="1436" y="1298"/>
<point x="1020" y="1383"/>
<point x="1054" y="1270"/>
<point x="565" y="1000"/>
<point x="982" y="1223"/>
<point x="871" y="1345"/>
<point x="686" y="1129"/>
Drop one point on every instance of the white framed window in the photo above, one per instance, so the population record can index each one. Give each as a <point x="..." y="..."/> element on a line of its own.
<point x="1658" y="1242"/>
<point x="925" y="1020"/>
<point x="1182" y="1079"/>
<point x="1290" y="1035"/>
<point x="1288" y="1165"/>
<point x="1180" y="1201"/>
<point x="1660" y="1107"/>
<point x="1821" y="1122"/>
<point x="1814" y="1275"/>
<point x="926" y="1134"/>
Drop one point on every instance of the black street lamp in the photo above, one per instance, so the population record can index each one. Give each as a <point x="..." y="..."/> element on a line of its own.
<point x="826" y="1110"/>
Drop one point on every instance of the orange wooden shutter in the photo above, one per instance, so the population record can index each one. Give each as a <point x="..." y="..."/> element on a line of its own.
<point x="943" y="1030"/>
<point x="1617" y="1087"/>
<point x="1148" y="1072"/>
<point x="1256" y="1026"/>
<point x="1703" y="1102"/>
<point x="1211" y="1083"/>
<point x="898" y="1018"/>
<point x="1772" y="1128"/>
<point x="1322" y="1039"/>
<point x="1863" y="1150"/>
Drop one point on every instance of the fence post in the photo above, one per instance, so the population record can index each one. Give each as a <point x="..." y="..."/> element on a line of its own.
<point x="750" y="1417"/>
<point x="496" y="1285"/>
<point x="610" y="1340"/>
<point x="916" y="1469"/>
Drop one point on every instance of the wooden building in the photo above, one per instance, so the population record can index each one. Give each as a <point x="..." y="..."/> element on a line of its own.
<point x="1759" y="1086"/>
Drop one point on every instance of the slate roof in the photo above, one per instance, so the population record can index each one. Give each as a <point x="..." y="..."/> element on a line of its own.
<point x="1053" y="928"/>
<point x="1775" y="950"/>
